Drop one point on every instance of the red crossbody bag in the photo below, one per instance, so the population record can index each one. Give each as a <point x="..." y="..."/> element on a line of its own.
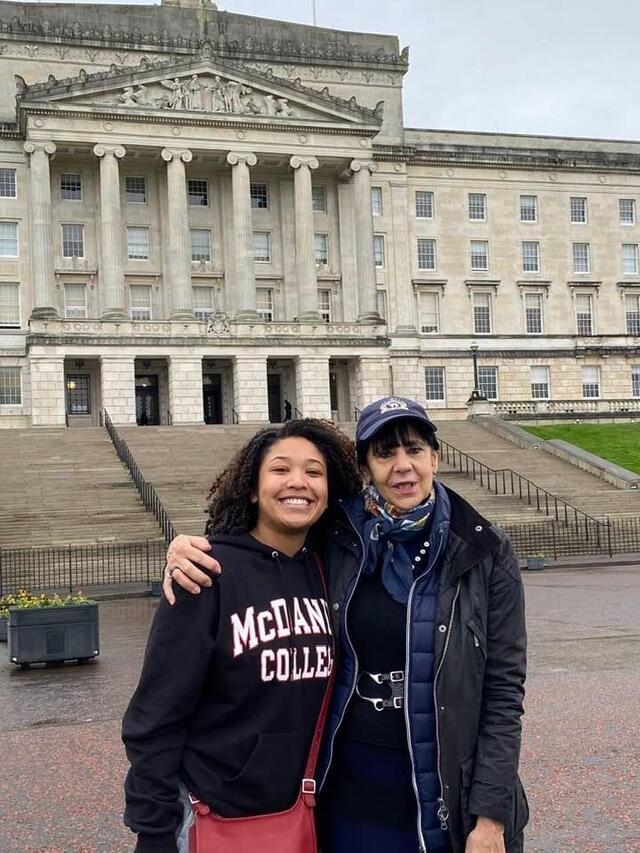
<point x="290" y="831"/>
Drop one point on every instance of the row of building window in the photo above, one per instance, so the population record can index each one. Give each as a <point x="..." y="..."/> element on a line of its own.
<point x="138" y="248"/>
<point x="478" y="211"/>
<point x="198" y="195"/>
<point x="140" y="303"/>
<point x="530" y="256"/>
<point x="78" y="387"/>
<point x="135" y="190"/>
<point x="482" y="307"/>
<point x="138" y="243"/>
<point x="540" y="388"/>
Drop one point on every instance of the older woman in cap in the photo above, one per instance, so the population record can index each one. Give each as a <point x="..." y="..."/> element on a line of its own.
<point x="422" y="742"/>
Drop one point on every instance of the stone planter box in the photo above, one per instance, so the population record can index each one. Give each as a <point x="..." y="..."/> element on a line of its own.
<point x="47" y="634"/>
<point x="4" y="625"/>
<point x="535" y="564"/>
<point x="156" y="589"/>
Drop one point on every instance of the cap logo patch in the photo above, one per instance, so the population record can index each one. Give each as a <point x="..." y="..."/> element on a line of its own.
<point x="393" y="405"/>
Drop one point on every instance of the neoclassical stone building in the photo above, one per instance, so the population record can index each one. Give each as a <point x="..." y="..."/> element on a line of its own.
<point x="207" y="217"/>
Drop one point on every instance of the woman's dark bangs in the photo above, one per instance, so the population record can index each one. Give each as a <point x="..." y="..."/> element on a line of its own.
<point x="398" y="433"/>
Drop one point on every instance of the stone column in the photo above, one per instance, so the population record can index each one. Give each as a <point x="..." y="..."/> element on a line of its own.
<point x="117" y="374"/>
<point x="178" y="238"/>
<point x="185" y="389"/>
<point x="250" y="388"/>
<point x="111" y="261"/>
<point x="348" y="267"/>
<point x="403" y="299"/>
<point x="305" y="249"/>
<point x="367" y="299"/>
<point x="312" y="386"/>
<point x="372" y="378"/>
<point x="244" y="268"/>
<point x="41" y="242"/>
<point x="48" y="406"/>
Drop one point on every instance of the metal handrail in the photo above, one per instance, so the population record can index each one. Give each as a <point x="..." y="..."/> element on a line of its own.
<point x="146" y="490"/>
<point x="235" y="417"/>
<point x="297" y="414"/>
<point x="356" y="413"/>
<point x="507" y="481"/>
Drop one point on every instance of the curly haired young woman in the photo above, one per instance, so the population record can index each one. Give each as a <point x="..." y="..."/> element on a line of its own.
<point x="233" y="679"/>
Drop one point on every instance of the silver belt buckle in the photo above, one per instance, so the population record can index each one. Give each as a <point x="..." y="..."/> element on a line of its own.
<point x="395" y="680"/>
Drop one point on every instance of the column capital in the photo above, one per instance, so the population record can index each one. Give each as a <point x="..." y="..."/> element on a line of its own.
<point x="296" y="162"/>
<point x="48" y="147"/>
<point x="184" y="154"/>
<point x="235" y="157"/>
<point x="357" y="165"/>
<point x="101" y="150"/>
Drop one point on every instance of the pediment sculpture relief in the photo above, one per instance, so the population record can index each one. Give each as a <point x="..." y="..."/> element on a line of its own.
<point x="209" y="94"/>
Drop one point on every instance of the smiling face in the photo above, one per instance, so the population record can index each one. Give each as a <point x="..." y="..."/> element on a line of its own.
<point x="292" y="493"/>
<point x="402" y="469"/>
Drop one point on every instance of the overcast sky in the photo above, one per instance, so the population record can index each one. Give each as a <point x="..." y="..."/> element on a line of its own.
<point x="557" y="67"/>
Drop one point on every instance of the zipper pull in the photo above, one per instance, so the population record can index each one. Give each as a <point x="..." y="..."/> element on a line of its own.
<point x="443" y="814"/>
<point x="476" y="642"/>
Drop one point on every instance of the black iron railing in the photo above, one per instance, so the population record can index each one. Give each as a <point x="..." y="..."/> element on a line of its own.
<point x="146" y="491"/>
<point x="73" y="567"/>
<point x="297" y="414"/>
<point x="118" y="565"/>
<point x="235" y="417"/>
<point x="506" y="481"/>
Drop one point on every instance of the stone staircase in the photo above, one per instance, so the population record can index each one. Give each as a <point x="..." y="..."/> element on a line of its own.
<point x="183" y="461"/>
<point x="62" y="486"/>
<point x="579" y="488"/>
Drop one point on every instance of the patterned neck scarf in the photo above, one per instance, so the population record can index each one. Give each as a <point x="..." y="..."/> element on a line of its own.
<point x="384" y="536"/>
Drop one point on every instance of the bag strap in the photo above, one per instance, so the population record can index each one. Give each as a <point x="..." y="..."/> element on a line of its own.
<point x="308" y="788"/>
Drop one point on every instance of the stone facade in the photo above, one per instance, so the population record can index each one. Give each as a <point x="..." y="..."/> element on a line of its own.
<point x="202" y="215"/>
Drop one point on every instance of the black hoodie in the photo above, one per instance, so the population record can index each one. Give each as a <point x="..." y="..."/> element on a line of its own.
<point x="230" y="690"/>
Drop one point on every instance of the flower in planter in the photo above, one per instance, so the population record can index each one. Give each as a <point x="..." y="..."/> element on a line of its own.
<point x="6" y="601"/>
<point x="26" y="600"/>
<point x="49" y="627"/>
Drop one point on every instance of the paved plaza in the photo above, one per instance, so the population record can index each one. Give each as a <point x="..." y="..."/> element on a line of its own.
<point x="62" y="761"/>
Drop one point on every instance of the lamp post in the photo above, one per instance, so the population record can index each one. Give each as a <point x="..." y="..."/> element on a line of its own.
<point x="476" y="394"/>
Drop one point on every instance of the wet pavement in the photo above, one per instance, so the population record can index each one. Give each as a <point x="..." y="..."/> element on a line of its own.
<point x="62" y="763"/>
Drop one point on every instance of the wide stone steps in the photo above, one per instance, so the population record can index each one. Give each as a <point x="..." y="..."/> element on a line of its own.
<point x="66" y="486"/>
<point x="579" y="488"/>
<point x="183" y="461"/>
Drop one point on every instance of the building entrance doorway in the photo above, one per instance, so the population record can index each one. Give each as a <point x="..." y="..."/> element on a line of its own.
<point x="212" y="397"/>
<point x="147" y="406"/>
<point x="340" y="389"/>
<point x="274" y="397"/>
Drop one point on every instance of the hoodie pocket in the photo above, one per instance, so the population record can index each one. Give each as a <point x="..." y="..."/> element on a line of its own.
<point x="270" y="779"/>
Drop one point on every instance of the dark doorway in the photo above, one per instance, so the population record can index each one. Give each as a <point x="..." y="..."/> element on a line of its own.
<point x="212" y="396"/>
<point x="274" y="396"/>
<point x="147" y="408"/>
<point x="333" y="391"/>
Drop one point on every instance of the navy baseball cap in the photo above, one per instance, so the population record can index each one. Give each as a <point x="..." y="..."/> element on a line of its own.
<point x="374" y="416"/>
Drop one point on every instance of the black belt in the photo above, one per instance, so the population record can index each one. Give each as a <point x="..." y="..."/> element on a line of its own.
<point x="394" y="701"/>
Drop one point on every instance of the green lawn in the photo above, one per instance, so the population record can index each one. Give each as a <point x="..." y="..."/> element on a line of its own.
<point x="619" y="443"/>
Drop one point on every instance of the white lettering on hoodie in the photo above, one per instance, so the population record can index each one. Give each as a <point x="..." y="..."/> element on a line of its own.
<point x="251" y="629"/>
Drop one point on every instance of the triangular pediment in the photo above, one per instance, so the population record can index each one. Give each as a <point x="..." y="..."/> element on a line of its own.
<point x="202" y="87"/>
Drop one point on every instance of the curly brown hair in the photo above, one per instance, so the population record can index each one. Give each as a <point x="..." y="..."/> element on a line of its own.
<point x="231" y="510"/>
